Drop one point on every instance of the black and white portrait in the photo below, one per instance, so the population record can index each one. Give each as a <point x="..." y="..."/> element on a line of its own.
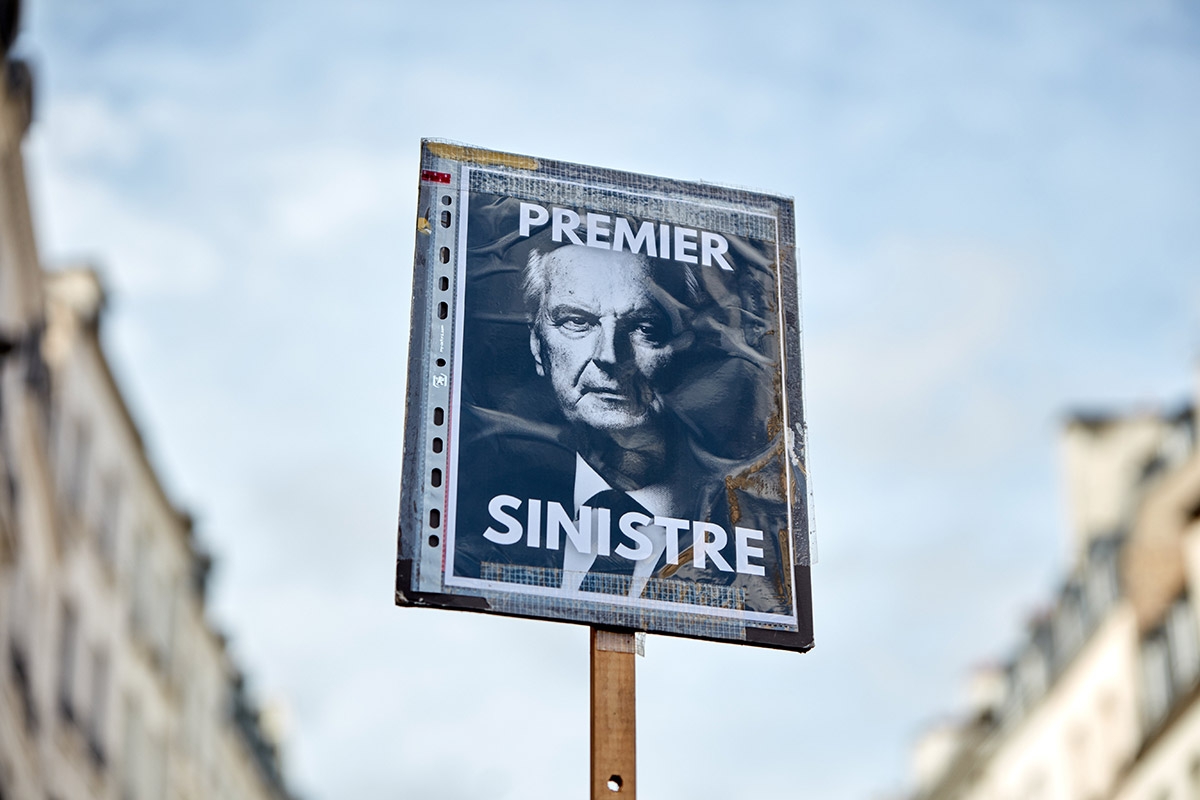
<point x="618" y="430"/>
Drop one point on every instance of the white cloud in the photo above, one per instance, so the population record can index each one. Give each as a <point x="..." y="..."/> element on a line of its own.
<point x="142" y="252"/>
<point x="900" y="327"/>
<point x="86" y="128"/>
<point x="322" y="195"/>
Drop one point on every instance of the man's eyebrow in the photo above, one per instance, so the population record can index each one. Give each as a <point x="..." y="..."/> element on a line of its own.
<point x="570" y="308"/>
<point x="646" y="312"/>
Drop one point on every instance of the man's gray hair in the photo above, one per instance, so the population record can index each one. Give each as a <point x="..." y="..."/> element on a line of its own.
<point x="536" y="283"/>
<point x="537" y="277"/>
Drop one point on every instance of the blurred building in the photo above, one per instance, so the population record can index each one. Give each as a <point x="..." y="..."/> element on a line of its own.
<point x="1100" y="700"/>
<point x="113" y="684"/>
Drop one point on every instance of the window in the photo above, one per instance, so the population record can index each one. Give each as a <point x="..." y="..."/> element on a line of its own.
<point x="18" y="666"/>
<point x="75" y="459"/>
<point x="23" y="617"/>
<point x="156" y="769"/>
<point x="133" y="753"/>
<point x="1185" y="648"/>
<point x="1079" y="760"/>
<point x="140" y="583"/>
<point x="1156" y="681"/>
<point x="159" y="618"/>
<point x="108" y="519"/>
<point x="8" y="491"/>
<point x="190" y="734"/>
<point x="1068" y="627"/>
<point x="164" y="601"/>
<point x="67" y="634"/>
<point x="1032" y="675"/>
<point x="153" y="603"/>
<point x="97" y="717"/>
<point x="1101" y="588"/>
<point x="1110" y="743"/>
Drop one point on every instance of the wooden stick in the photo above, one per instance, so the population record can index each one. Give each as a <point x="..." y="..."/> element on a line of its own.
<point x="614" y="719"/>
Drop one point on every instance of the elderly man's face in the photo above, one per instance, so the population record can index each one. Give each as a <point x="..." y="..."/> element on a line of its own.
<point x="601" y="339"/>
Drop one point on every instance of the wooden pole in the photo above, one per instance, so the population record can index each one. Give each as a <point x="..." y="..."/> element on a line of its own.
<point x="614" y="721"/>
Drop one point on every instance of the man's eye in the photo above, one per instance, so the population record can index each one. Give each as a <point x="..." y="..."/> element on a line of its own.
<point x="574" y="323"/>
<point x="651" y="332"/>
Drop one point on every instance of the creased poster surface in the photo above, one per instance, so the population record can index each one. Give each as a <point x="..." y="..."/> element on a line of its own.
<point x="616" y="433"/>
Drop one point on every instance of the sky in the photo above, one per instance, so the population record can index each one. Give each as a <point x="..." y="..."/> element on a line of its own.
<point x="998" y="223"/>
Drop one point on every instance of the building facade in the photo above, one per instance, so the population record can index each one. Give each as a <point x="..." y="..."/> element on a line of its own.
<point x="1102" y="697"/>
<point x="113" y="682"/>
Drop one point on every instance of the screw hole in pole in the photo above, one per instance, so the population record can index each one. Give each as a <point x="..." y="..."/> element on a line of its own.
<point x="614" y="783"/>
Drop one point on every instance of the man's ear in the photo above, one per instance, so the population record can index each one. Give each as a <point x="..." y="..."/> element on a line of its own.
<point x="535" y="347"/>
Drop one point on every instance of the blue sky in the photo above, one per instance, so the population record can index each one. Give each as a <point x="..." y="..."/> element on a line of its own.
<point x="998" y="218"/>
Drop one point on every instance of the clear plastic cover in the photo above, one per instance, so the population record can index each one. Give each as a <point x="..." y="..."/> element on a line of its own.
<point x="605" y="422"/>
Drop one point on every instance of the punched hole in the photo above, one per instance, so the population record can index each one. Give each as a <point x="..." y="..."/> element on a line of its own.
<point x="434" y="541"/>
<point x="444" y="255"/>
<point x="439" y="416"/>
<point x="435" y="518"/>
<point x="443" y="310"/>
<point x="437" y="445"/>
<point x="614" y="783"/>
<point x="441" y="362"/>
<point x="445" y="219"/>
<point x="443" y="283"/>
<point x="435" y="477"/>
<point x="447" y="200"/>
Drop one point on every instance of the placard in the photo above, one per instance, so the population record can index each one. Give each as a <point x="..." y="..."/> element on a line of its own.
<point x="604" y="415"/>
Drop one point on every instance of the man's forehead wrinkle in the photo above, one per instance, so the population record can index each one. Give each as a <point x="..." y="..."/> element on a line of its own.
<point x="641" y="307"/>
<point x="600" y="294"/>
<point x="567" y="308"/>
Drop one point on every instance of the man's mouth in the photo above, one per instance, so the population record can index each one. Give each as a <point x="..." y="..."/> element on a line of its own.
<point x="609" y="394"/>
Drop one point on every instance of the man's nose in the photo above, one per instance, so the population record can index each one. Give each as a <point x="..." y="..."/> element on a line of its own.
<point x="605" y="349"/>
<point x="608" y="344"/>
